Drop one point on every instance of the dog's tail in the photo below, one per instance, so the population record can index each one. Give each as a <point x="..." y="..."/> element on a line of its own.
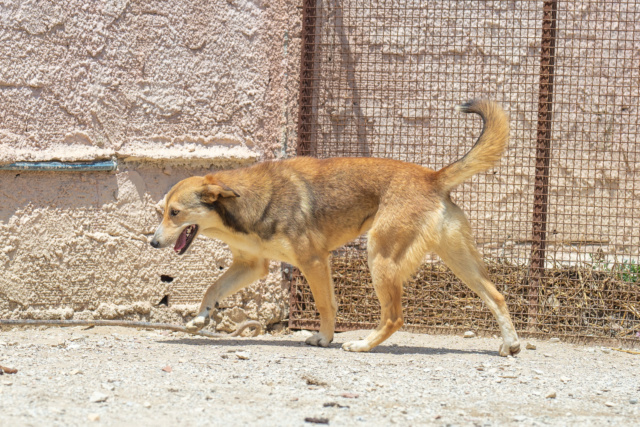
<point x="487" y="150"/>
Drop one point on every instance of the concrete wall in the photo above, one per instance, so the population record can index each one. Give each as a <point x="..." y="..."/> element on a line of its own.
<point x="169" y="89"/>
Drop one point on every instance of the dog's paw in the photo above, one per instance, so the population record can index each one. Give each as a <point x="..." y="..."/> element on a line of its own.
<point x="198" y="323"/>
<point x="510" y="349"/>
<point x="361" y="345"/>
<point x="318" y="340"/>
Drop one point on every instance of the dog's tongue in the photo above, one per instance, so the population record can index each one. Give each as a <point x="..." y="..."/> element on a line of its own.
<point x="181" y="242"/>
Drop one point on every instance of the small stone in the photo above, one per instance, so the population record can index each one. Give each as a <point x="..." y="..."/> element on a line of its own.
<point x="349" y="395"/>
<point x="167" y="369"/>
<point x="565" y="379"/>
<point x="469" y="334"/>
<point x="530" y="346"/>
<point x="303" y="334"/>
<point x="609" y="404"/>
<point x="519" y="418"/>
<point x="633" y="401"/>
<point x="7" y="383"/>
<point x="98" y="397"/>
<point x="537" y="372"/>
<point x="551" y="394"/>
<point x="146" y="405"/>
<point x="554" y="339"/>
<point x="94" y="417"/>
<point x="75" y="372"/>
<point x="606" y="350"/>
<point x="242" y="355"/>
<point x="316" y="420"/>
<point x="108" y="386"/>
<point x="7" y="370"/>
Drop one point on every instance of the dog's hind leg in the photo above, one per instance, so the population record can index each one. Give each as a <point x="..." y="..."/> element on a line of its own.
<point x="317" y="271"/>
<point x="244" y="271"/>
<point x="392" y="259"/>
<point x="458" y="251"/>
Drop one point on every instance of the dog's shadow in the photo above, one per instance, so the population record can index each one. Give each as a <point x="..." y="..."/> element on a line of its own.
<point x="381" y="349"/>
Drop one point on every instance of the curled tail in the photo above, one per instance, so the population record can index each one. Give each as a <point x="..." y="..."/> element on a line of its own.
<point x="487" y="150"/>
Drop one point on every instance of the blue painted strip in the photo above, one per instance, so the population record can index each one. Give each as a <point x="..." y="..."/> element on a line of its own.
<point x="100" y="166"/>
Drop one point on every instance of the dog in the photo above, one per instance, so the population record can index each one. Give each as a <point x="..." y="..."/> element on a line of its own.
<point x="299" y="210"/>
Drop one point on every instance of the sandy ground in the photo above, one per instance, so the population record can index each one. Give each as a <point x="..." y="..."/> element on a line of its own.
<point x="118" y="376"/>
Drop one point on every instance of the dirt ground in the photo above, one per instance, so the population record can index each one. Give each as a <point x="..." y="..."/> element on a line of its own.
<point x="118" y="376"/>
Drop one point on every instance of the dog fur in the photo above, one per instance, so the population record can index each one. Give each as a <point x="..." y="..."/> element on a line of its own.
<point x="299" y="210"/>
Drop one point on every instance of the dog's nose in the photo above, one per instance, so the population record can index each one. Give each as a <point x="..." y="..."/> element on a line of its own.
<point x="155" y="243"/>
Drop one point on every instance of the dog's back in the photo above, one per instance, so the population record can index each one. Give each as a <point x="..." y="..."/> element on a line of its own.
<point x="338" y="198"/>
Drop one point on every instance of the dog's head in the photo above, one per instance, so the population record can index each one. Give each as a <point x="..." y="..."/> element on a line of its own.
<point x="187" y="208"/>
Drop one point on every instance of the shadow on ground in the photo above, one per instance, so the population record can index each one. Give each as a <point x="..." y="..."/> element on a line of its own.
<point x="381" y="349"/>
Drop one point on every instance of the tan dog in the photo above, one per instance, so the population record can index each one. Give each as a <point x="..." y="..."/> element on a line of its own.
<point x="299" y="210"/>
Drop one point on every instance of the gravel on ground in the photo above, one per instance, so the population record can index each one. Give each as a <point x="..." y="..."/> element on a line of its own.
<point x="118" y="376"/>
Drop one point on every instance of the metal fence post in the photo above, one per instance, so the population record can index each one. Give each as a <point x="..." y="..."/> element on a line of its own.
<point x="543" y="157"/>
<point x="307" y="73"/>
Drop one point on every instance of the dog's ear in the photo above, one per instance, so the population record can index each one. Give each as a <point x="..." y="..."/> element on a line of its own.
<point x="213" y="189"/>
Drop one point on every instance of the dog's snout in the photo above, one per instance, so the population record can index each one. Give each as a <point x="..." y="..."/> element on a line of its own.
<point x="155" y="243"/>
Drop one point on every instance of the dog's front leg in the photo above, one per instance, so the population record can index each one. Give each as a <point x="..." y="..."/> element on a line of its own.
<point x="244" y="271"/>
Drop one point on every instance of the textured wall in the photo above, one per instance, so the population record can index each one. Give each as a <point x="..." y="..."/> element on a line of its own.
<point x="170" y="89"/>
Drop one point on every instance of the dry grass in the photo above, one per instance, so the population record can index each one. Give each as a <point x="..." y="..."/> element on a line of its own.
<point x="572" y="302"/>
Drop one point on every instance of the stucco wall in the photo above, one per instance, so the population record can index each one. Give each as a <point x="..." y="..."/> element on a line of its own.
<point x="169" y="89"/>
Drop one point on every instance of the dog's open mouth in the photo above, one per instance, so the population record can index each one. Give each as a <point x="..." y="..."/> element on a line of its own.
<point x="185" y="239"/>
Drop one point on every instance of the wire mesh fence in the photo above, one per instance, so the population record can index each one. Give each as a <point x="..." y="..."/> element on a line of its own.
<point x="558" y="222"/>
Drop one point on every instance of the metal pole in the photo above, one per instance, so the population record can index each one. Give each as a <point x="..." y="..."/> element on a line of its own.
<point x="543" y="157"/>
<point x="307" y="72"/>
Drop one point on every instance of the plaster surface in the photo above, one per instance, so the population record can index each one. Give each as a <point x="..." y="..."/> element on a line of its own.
<point x="169" y="89"/>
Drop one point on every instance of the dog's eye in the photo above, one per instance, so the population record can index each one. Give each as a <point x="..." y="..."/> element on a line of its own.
<point x="174" y="212"/>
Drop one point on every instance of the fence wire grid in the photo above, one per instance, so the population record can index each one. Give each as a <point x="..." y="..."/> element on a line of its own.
<point x="558" y="221"/>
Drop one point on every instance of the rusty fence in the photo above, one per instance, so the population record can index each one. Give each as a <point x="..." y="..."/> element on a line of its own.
<point x="558" y="222"/>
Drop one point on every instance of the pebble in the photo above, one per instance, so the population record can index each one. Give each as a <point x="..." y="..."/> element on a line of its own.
<point x="551" y="394"/>
<point x="554" y="339"/>
<point x="606" y="350"/>
<point x="469" y="334"/>
<point x="633" y="401"/>
<point x="530" y="346"/>
<point x="94" y="417"/>
<point x="303" y="334"/>
<point x="75" y="372"/>
<point x="242" y="355"/>
<point x="97" y="397"/>
<point x="519" y="418"/>
<point x="146" y="405"/>
<point x="108" y="386"/>
<point x="609" y="404"/>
